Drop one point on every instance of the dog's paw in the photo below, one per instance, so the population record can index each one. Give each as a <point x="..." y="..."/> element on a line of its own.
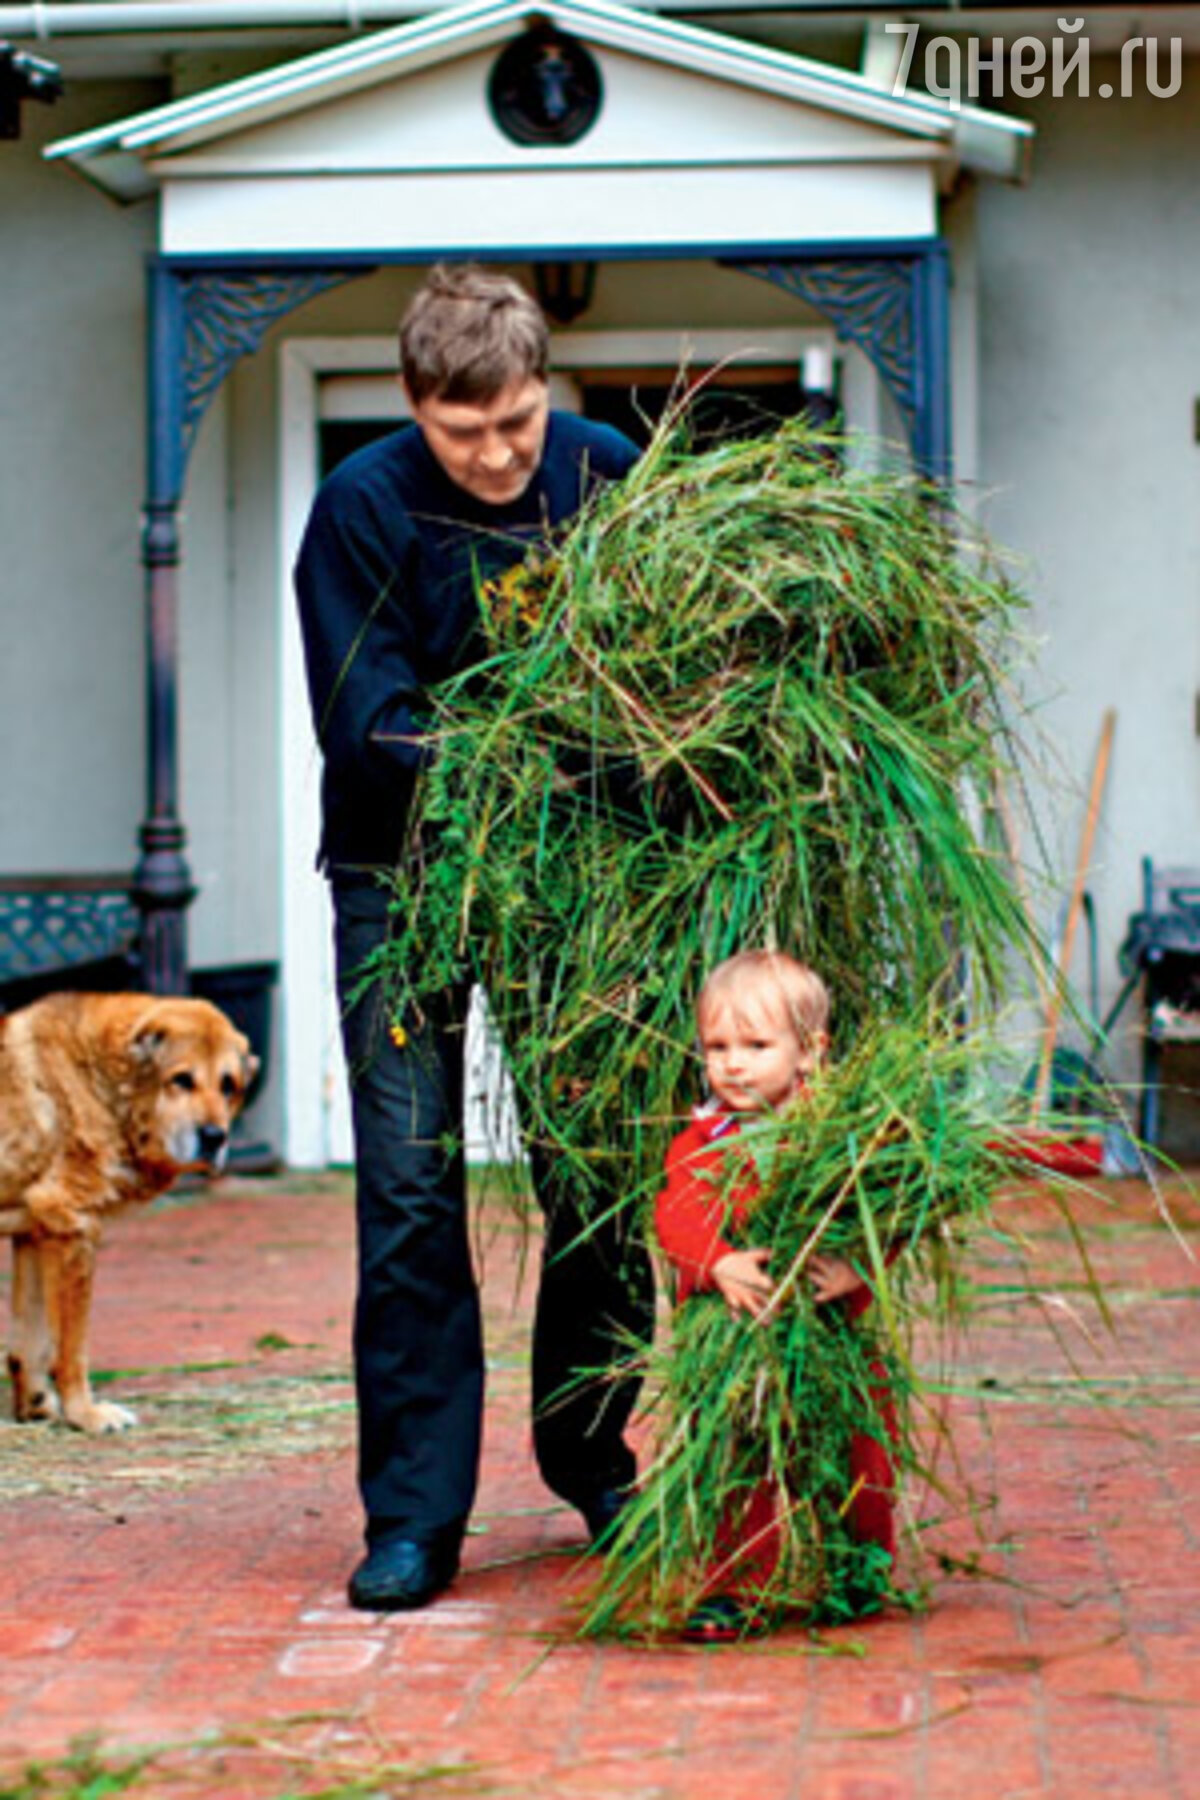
<point x="37" y="1407"/>
<point x="100" y="1416"/>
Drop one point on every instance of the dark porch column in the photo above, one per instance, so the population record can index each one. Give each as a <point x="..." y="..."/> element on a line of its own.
<point x="162" y="884"/>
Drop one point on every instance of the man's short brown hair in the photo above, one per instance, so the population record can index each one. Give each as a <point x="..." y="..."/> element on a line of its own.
<point x="468" y="333"/>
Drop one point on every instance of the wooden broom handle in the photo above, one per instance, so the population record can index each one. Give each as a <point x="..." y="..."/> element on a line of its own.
<point x="1082" y="865"/>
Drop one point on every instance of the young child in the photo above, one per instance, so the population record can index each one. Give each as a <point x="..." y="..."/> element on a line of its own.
<point x="763" y="1023"/>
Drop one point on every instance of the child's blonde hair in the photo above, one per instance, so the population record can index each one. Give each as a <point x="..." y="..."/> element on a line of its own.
<point x="755" y="982"/>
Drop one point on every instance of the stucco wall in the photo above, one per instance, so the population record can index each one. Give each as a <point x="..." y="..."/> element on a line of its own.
<point x="1090" y="357"/>
<point x="71" y="460"/>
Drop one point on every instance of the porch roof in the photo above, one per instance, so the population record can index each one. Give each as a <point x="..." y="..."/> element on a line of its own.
<point x="135" y="156"/>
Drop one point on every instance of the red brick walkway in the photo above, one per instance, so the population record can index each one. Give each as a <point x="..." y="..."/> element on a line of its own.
<point x="181" y="1587"/>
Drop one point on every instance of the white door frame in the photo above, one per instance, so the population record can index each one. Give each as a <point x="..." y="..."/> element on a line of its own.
<point x="316" y="1129"/>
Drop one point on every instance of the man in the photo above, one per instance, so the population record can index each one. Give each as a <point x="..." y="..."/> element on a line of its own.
<point x="400" y="537"/>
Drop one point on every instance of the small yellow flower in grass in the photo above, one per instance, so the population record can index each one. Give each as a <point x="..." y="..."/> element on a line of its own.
<point x="398" y="1034"/>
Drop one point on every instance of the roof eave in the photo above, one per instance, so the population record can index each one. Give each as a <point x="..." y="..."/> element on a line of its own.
<point x="991" y="145"/>
<point x="982" y="141"/>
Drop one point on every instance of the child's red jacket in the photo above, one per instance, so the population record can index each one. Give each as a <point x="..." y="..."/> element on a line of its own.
<point x="695" y="1211"/>
<point x="694" y="1215"/>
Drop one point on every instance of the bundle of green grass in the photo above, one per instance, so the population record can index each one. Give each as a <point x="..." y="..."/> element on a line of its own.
<point x="750" y="698"/>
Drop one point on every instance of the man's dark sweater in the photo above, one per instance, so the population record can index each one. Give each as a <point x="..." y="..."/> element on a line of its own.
<point x="387" y="579"/>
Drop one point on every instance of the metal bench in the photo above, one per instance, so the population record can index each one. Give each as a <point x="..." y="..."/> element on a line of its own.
<point x="66" y="931"/>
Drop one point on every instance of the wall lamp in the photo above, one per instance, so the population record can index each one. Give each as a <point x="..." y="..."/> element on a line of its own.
<point x="564" y="289"/>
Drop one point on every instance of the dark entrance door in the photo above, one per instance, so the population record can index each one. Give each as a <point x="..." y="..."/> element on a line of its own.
<point x="722" y="408"/>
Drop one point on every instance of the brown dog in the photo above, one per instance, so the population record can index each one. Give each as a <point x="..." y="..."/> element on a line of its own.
<point x="104" y="1100"/>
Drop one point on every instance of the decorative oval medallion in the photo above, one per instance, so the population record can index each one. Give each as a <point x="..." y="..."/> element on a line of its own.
<point x="545" y="87"/>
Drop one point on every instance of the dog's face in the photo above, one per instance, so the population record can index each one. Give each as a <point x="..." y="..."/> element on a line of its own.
<point x="192" y="1069"/>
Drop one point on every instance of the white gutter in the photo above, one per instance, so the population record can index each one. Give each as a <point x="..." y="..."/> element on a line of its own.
<point x="46" y="19"/>
<point x="89" y="18"/>
<point x="42" y="20"/>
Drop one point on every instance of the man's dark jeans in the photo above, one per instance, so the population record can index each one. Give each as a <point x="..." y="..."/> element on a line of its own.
<point x="417" y="1338"/>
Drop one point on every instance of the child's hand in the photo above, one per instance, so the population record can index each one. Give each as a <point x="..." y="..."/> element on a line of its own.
<point x="832" y="1278"/>
<point x="741" y="1276"/>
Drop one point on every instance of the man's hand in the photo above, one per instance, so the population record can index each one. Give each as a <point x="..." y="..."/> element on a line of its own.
<point x="832" y="1278"/>
<point x="742" y="1280"/>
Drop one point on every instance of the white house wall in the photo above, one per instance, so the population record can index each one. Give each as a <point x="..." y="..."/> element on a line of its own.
<point x="1090" y="345"/>
<point x="71" y="437"/>
<point x="210" y="647"/>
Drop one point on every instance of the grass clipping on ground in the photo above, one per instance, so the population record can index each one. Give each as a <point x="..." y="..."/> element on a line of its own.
<point x="749" y="698"/>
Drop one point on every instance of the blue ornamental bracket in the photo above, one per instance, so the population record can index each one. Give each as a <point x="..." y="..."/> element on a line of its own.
<point x="202" y="321"/>
<point x="893" y="302"/>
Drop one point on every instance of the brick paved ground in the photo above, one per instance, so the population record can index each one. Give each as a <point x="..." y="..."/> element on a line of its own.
<point x="181" y="1587"/>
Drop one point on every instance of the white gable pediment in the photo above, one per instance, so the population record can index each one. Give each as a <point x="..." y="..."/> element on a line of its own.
<point x="389" y="145"/>
<point x="440" y="119"/>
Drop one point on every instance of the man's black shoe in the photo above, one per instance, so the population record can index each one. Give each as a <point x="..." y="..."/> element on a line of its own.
<point x="602" y="1515"/>
<point x="401" y="1575"/>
